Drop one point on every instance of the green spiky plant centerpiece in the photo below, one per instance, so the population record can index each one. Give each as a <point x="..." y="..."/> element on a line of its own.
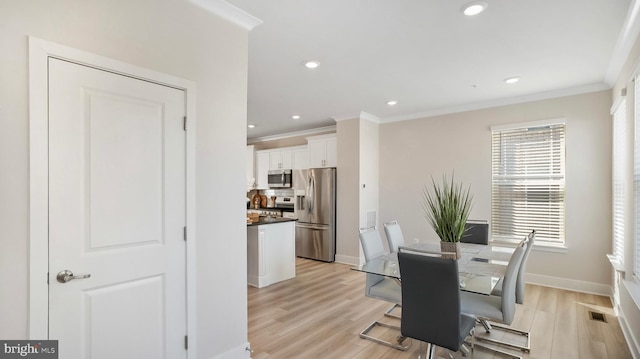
<point x="447" y="206"/>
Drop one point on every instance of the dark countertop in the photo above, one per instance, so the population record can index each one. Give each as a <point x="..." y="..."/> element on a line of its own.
<point x="283" y="209"/>
<point x="270" y="220"/>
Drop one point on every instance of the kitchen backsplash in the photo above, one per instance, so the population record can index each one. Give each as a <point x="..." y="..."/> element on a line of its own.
<point x="288" y="192"/>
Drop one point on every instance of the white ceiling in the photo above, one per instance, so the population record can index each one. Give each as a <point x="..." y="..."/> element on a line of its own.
<point x="423" y="53"/>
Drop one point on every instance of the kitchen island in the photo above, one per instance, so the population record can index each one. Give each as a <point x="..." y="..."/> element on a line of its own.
<point x="271" y="254"/>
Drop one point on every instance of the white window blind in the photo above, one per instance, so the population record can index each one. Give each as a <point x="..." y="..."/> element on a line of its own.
<point x="528" y="182"/>
<point x="636" y="173"/>
<point x="619" y="173"/>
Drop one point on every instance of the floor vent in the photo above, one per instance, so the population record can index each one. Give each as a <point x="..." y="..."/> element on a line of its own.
<point x="597" y="317"/>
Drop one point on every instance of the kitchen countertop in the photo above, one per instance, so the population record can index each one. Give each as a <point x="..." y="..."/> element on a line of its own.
<point x="283" y="209"/>
<point x="270" y="220"/>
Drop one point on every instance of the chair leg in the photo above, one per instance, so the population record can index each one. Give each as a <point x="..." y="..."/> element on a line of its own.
<point x="464" y="349"/>
<point x="400" y="339"/>
<point x="389" y="312"/>
<point x="488" y="326"/>
<point x="498" y="350"/>
<point x="431" y="351"/>
<point x="421" y="350"/>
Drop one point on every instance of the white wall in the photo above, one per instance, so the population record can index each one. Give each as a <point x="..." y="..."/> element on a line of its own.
<point x="348" y="192"/>
<point x="411" y="151"/>
<point x="358" y="185"/>
<point x="369" y="168"/>
<point x="167" y="36"/>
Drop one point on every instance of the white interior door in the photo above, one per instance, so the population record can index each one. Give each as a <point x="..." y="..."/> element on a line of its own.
<point x="116" y="212"/>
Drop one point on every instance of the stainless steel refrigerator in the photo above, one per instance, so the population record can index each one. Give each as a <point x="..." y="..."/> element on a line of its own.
<point x="316" y="213"/>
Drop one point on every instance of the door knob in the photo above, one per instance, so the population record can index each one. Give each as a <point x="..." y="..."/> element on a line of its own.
<point x="67" y="275"/>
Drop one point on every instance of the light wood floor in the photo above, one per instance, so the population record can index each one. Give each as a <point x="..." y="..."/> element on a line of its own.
<point x="320" y="313"/>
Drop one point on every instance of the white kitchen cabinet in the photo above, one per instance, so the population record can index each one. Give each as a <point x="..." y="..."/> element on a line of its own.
<point x="280" y="159"/>
<point x="300" y="159"/>
<point x="251" y="178"/>
<point x="323" y="151"/>
<point x="262" y="169"/>
<point x="331" y="148"/>
<point x="271" y="256"/>
<point x="294" y="157"/>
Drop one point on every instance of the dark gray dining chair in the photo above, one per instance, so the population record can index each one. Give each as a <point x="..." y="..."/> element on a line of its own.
<point x="431" y="310"/>
<point x="476" y="232"/>
<point x="499" y="309"/>
<point x="378" y="286"/>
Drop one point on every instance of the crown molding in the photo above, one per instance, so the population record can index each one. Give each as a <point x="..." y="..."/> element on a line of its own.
<point x="229" y="12"/>
<point x="626" y="39"/>
<point x="437" y="112"/>
<point x="357" y="115"/>
<point x="345" y="117"/>
<point x="310" y="132"/>
<point x="369" y="117"/>
<point x="501" y="102"/>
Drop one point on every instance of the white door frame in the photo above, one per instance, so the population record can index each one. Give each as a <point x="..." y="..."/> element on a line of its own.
<point x="39" y="53"/>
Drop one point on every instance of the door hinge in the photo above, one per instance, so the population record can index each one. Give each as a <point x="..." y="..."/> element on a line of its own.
<point x="184" y="122"/>
<point x="184" y="233"/>
<point x="186" y="342"/>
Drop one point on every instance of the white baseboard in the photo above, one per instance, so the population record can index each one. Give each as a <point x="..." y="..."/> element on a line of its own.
<point x="632" y="342"/>
<point x="239" y="352"/>
<point x="354" y="261"/>
<point x="570" y="284"/>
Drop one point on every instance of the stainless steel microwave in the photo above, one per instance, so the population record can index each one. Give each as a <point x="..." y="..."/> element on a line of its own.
<point x="279" y="179"/>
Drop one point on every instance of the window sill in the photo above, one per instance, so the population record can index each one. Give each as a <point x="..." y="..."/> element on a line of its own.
<point x="536" y="247"/>
<point x="551" y="248"/>
<point x="615" y="263"/>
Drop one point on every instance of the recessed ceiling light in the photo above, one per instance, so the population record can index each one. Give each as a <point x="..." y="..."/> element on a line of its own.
<point x="474" y="8"/>
<point x="392" y="103"/>
<point x="512" y="80"/>
<point x="251" y="126"/>
<point x="311" y="64"/>
<point x="295" y="117"/>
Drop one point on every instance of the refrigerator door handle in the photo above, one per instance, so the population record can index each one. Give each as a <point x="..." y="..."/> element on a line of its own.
<point x="310" y="193"/>
<point x="312" y="226"/>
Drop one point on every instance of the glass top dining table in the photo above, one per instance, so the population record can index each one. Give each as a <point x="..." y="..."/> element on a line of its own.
<point x="480" y="266"/>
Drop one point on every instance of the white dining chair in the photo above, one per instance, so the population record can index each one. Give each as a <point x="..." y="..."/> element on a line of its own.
<point x="394" y="235"/>
<point x="378" y="286"/>
<point x="520" y="283"/>
<point x="499" y="309"/>
<point x="395" y="239"/>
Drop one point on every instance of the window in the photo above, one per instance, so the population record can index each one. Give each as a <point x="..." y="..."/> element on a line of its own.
<point x="619" y="175"/>
<point x="528" y="181"/>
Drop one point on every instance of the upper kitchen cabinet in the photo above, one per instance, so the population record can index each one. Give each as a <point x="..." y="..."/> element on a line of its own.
<point x="280" y="159"/>
<point x="284" y="158"/>
<point x="262" y="169"/>
<point x="300" y="158"/>
<point x="323" y="151"/>
<point x="251" y="178"/>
